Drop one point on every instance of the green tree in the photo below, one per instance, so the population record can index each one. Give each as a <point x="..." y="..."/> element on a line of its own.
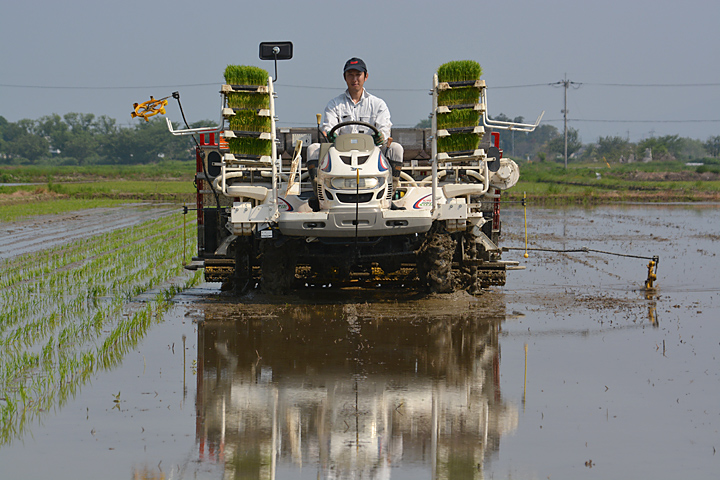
<point x="27" y="146"/>
<point x="612" y="148"/>
<point x="712" y="146"/>
<point x="693" y="149"/>
<point x="531" y="143"/>
<point x="55" y="130"/>
<point x="79" y="122"/>
<point x="667" y="147"/>
<point x="3" y="125"/>
<point x="82" y="146"/>
<point x="21" y="141"/>
<point x="105" y="125"/>
<point x="509" y="139"/>
<point x="146" y="142"/>
<point x="557" y="144"/>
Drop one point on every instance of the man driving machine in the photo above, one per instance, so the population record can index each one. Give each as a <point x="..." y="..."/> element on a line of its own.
<point x="356" y="104"/>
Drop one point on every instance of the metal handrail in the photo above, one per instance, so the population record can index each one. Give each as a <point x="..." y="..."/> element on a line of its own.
<point x="192" y="131"/>
<point x="520" y="127"/>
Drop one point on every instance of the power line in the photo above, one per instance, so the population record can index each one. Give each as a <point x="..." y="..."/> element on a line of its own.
<point x="216" y="84"/>
<point x="629" y="121"/>
<point x="54" y="87"/>
<point x="316" y="87"/>
<point x="522" y="86"/>
<point x="321" y="87"/>
<point x="339" y="87"/>
<point x="674" y="85"/>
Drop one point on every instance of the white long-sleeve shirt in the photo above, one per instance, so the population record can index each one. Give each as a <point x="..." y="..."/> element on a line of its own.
<point x="370" y="109"/>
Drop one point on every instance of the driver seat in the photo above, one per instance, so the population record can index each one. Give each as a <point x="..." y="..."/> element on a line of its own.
<point x="348" y="142"/>
<point x="354" y="141"/>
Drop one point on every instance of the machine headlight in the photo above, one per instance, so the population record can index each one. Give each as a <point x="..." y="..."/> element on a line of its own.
<point x="350" y="183"/>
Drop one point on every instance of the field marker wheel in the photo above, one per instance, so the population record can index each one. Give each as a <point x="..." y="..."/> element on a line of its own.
<point x="242" y="275"/>
<point x="278" y="267"/>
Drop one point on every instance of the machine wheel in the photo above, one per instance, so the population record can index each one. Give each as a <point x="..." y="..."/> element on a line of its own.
<point x="434" y="261"/>
<point x="278" y="267"/>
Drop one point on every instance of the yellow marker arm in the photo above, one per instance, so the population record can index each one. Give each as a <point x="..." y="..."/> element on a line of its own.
<point x="149" y="108"/>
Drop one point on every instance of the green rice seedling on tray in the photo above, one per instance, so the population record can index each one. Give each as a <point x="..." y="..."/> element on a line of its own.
<point x="458" y="142"/>
<point x="247" y="120"/>
<point x="245" y="75"/>
<point x="459" y="71"/>
<point x="248" y="100"/>
<point x="459" y="96"/>
<point x="458" y="118"/>
<point x="249" y="146"/>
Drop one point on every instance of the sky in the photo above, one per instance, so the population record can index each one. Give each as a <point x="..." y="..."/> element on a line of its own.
<point x="639" y="68"/>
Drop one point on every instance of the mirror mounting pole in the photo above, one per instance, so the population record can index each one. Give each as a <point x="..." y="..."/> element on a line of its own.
<point x="275" y="51"/>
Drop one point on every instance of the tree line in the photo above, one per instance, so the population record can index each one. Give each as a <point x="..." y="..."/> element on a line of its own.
<point x="84" y="139"/>
<point x="547" y="143"/>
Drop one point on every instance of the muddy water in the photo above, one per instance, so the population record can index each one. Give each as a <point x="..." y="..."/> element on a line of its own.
<point x="571" y="370"/>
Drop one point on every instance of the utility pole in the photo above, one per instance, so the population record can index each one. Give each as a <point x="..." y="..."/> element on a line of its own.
<point x="566" y="83"/>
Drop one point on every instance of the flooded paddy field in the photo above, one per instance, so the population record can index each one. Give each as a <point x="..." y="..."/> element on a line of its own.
<point x="45" y="231"/>
<point x="572" y="370"/>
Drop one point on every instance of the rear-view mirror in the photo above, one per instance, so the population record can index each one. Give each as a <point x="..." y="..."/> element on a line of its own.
<point x="276" y="50"/>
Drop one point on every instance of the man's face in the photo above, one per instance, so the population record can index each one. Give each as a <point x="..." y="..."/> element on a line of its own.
<point x="355" y="80"/>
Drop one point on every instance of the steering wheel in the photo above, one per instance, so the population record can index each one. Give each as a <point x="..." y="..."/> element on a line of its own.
<point x="331" y="133"/>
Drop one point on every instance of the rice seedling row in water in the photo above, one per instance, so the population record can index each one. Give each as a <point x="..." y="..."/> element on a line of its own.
<point x="82" y="248"/>
<point x="131" y="329"/>
<point x="56" y="358"/>
<point x="25" y="267"/>
<point x="21" y="268"/>
<point x="94" y="266"/>
<point x="79" y="302"/>
<point x="80" y="306"/>
<point x="20" y="304"/>
<point x="74" y="368"/>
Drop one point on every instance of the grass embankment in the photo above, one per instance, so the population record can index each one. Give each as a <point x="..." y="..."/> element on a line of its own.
<point x="171" y="170"/>
<point x="63" y="189"/>
<point x="60" y="189"/>
<point x="550" y="184"/>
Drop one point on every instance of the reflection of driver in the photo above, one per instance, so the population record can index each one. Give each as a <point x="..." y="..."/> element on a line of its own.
<point x="356" y="104"/>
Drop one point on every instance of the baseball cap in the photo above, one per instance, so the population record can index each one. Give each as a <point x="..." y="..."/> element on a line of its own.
<point x="355" y="64"/>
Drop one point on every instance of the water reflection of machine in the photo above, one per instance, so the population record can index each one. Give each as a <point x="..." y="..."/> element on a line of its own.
<point x="350" y="391"/>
